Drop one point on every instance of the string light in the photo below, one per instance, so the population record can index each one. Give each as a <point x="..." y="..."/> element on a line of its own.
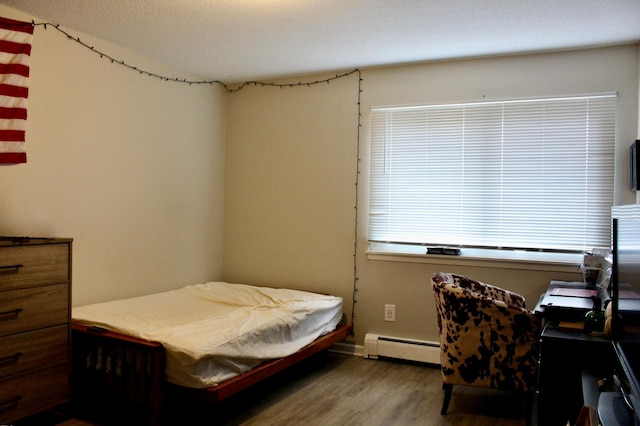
<point x="228" y="87"/>
<point x="356" y="278"/>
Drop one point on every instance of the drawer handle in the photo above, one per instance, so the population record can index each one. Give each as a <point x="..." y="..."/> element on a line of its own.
<point x="15" y="312"/>
<point x="11" y="268"/>
<point x="11" y="358"/>
<point x="10" y="403"/>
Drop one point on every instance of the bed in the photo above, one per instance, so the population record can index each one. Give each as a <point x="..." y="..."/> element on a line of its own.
<point x="208" y="341"/>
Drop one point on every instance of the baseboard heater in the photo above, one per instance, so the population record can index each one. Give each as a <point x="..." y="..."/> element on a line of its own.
<point x="376" y="346"/>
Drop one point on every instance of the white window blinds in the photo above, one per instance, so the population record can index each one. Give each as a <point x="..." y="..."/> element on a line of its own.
<point x="531" y="174"/>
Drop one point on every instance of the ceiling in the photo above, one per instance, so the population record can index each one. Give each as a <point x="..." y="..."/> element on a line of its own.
<point x="239" y="40"/>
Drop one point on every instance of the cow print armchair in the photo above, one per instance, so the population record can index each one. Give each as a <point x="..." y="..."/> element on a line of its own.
<point x="487" y="337"/>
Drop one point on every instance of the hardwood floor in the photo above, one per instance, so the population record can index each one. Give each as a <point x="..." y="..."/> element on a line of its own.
<point x="347" y="390"/>
<point x="337" y="389"/>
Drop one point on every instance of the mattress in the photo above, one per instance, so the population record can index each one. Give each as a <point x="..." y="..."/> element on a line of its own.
<point x="216" y="330"/>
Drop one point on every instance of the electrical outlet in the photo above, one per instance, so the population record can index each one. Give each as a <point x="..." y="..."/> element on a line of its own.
<point x="389" y="312"/>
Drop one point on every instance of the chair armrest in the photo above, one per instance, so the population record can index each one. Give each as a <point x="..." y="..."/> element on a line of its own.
<point x="488" y="290"/>
<point x="491" y="307"/>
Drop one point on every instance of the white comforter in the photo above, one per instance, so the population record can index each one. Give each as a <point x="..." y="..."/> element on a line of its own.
<point x="214" y="331"/>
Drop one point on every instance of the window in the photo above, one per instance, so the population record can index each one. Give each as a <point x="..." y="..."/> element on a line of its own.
<point x="526" y="174"/>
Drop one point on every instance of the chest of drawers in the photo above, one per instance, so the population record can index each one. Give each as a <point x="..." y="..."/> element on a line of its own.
<point x="35" y="311"/>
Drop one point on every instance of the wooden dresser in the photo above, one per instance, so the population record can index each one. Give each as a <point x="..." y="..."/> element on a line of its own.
<point x="35" y="313"/>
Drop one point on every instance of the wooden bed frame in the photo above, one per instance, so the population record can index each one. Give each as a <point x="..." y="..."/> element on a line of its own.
<point x="115" y="369"/>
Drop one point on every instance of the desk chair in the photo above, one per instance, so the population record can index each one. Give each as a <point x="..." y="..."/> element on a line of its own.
<point x="487" y="337"/>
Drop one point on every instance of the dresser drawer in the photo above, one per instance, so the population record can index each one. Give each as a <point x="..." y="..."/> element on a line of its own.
<point x="26" y="395"/>
<point x="33" y="265"/>
<point x="33" y="308"/>
<point x="20" y="353"/>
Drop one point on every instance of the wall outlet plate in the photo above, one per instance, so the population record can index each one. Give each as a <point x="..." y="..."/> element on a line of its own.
<point x="389" y="312"/>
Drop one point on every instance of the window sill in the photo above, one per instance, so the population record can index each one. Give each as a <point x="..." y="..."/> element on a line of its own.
<point x="503" y="259"/>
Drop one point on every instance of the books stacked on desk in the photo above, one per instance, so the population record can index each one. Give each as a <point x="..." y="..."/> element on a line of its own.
<point x="568" y="300"/>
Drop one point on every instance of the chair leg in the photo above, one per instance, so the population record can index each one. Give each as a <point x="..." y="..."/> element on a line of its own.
<point x="528" y="400"/>
<point x="448" y="389"/>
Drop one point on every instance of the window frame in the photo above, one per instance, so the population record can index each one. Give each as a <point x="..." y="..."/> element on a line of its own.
<point x="410" y="246"/>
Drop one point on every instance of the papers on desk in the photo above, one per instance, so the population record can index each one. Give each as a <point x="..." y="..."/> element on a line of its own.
<point x="573" y="292"/>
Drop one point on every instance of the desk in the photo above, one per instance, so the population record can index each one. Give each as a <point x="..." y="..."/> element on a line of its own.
<point x="564" y="354"/>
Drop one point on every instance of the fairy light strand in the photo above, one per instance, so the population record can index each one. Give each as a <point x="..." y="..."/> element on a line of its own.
<point x="230" y="88"/>
<point x="356" y="278"/>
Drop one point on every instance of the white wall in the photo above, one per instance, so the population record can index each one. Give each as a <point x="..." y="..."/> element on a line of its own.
<point x="290" y="166"/>
<point x="129" y="166"/>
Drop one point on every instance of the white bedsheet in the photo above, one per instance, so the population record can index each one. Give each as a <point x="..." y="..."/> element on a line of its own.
<point x="214" y="331"/>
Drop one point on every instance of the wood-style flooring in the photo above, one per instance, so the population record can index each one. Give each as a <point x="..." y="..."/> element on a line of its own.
<point x="338" y="389"/>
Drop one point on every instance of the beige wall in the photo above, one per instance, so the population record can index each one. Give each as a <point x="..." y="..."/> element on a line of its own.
<point x="290" y="173"/>
<point x="129" y="166"/>
<point x="289" y="190"/>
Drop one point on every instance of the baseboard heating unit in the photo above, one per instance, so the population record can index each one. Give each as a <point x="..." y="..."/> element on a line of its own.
<point x="376" y="346"/>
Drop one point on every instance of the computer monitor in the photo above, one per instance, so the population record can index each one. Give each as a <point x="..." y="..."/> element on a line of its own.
<point x="625" y="302"/>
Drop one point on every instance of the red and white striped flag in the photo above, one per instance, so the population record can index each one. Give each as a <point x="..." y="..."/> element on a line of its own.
<point x="15" y="51"/>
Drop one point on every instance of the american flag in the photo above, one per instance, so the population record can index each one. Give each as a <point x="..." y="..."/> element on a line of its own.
<point x="15" y="51"/>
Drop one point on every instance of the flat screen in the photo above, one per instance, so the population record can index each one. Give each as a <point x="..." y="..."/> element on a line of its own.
<point x="626" y="263"/>
<point x="625" y="299"/>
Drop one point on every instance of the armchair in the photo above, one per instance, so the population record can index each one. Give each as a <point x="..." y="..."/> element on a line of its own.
<point x="487" y="337"/>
